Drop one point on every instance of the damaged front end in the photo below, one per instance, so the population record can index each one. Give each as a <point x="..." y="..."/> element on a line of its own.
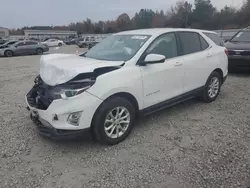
<point x="42" y="94"/>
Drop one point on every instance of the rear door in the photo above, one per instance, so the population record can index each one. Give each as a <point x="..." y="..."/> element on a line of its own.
<point x="31" y="47"/>
<point x="197" y="57"/>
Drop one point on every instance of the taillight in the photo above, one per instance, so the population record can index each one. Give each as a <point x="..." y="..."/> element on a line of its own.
<point x="226" y="51"/>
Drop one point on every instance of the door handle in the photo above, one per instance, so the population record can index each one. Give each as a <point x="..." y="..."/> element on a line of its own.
<point x="177" y="64"/>
<point x="209" y="55"/>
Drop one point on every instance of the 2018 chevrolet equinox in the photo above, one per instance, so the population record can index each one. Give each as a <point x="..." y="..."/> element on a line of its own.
<point x="128" y="73"/>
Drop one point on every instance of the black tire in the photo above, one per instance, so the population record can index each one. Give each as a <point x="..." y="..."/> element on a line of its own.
<point x="205" y="97"/>
<point x="60" y="44"/>
<point x="101" y="114"/>
<point x="39" y="51"/>
<point x="8" y="53"/>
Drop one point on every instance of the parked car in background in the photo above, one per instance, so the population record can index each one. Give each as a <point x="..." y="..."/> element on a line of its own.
<point x="70" y="41"/>
<point x="129" y="73"/>
<point x="53" y="42"/>
<point x="239" y="50"/>
<point x="2" y="41"/>
<point x="34" y="39"/>
<point x="47" y="38"/>
<point x="24" y="48"/>
<point x="92" y="44"/>
<point x="87" y="41"/>
<point x="8" y="43"/>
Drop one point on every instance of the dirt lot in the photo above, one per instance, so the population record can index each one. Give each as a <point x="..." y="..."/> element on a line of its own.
<point x="190" y="145"/>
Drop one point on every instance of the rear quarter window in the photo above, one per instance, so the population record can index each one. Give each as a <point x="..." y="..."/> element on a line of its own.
<point x="215" y="38"/>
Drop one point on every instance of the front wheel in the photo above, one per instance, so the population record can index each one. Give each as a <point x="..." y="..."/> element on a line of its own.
<point x="60" y="44"/>
<point x="212" y="88"/>
<point x="8" y="53"/>
<point x="113" y="121"/>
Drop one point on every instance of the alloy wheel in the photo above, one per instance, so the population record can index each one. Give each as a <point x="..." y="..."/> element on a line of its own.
<point x="117" y="122"/>
<point x="213" y="87"/>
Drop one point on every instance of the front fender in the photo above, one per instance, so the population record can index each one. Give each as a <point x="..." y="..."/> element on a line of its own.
<point x="123" y="80"/>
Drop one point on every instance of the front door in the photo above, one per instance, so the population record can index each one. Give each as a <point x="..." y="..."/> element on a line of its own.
<point x="163" y="81"/>
<point x="21" y="48"/>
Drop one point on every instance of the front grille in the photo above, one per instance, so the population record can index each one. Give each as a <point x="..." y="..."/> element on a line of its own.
<point x="38" y="96"/>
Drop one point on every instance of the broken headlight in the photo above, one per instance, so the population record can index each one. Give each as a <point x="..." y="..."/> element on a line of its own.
<point x="72" y="89"/>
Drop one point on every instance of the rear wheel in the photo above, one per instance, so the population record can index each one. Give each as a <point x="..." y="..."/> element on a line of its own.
<point x="113" y="121"/>
<point x="8" y="53"/>
<point x="39" y="51"/>
<point x="212" y="87"/>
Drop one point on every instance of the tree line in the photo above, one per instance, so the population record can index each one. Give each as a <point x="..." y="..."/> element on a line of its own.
<point x="201" y="15"/>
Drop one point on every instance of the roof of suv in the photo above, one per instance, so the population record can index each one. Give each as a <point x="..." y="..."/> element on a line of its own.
<point x="158" y="31"/>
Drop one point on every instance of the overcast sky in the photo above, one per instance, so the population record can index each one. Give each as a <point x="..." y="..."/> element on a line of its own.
<point x="19" y="13"/>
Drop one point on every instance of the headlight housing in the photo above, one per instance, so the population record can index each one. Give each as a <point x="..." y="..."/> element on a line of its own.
<point x="63" y="91"/>
<point x="71" y="89"/>
<point x="67" y="93"/>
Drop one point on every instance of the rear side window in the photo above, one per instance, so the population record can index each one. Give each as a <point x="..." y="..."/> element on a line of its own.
<point x="31" y="43"/>
<point x="204" y="44"/>
<point x="215" y="38"/>
<point x="189" y="42"/>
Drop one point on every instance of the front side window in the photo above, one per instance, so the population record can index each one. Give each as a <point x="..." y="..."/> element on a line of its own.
<point x="164" y="45"/>
<point x="189" y="42"/>
<point x="117" y="47"/>
<point x="242" y="36"/>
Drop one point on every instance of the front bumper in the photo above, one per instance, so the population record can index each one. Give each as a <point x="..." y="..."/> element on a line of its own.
<point x="61" y="109"/>
<point x="47" y="130"/>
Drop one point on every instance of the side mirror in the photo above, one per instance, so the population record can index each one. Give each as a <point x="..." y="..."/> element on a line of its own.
<point x="153" y="58"/>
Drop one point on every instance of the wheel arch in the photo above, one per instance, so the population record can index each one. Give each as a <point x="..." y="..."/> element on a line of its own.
<point x="9" y="50"/>
<point x="220" y="72"/>
<point x="128" y="96"/>
<point x="39" y="48"/>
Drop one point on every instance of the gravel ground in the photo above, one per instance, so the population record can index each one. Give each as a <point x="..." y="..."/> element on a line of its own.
<point x="189" y="145"/>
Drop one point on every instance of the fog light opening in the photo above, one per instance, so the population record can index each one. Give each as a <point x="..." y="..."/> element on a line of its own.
<point x="55" y="117"/>
<point x="74" y="118"/>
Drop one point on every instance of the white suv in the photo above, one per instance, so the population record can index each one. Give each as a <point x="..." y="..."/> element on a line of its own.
<point x="128" y="73"/>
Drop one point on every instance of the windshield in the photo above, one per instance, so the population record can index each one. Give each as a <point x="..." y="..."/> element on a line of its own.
<point x="117" y="47"/>
<point x="242" y="36"/>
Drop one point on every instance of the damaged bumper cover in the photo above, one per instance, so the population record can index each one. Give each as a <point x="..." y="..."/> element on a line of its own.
<point x="45" y="129"/>
<point x="51" y="112"/>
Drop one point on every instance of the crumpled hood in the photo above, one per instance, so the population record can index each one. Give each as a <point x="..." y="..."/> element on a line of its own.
<point x="60" y="68"/>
